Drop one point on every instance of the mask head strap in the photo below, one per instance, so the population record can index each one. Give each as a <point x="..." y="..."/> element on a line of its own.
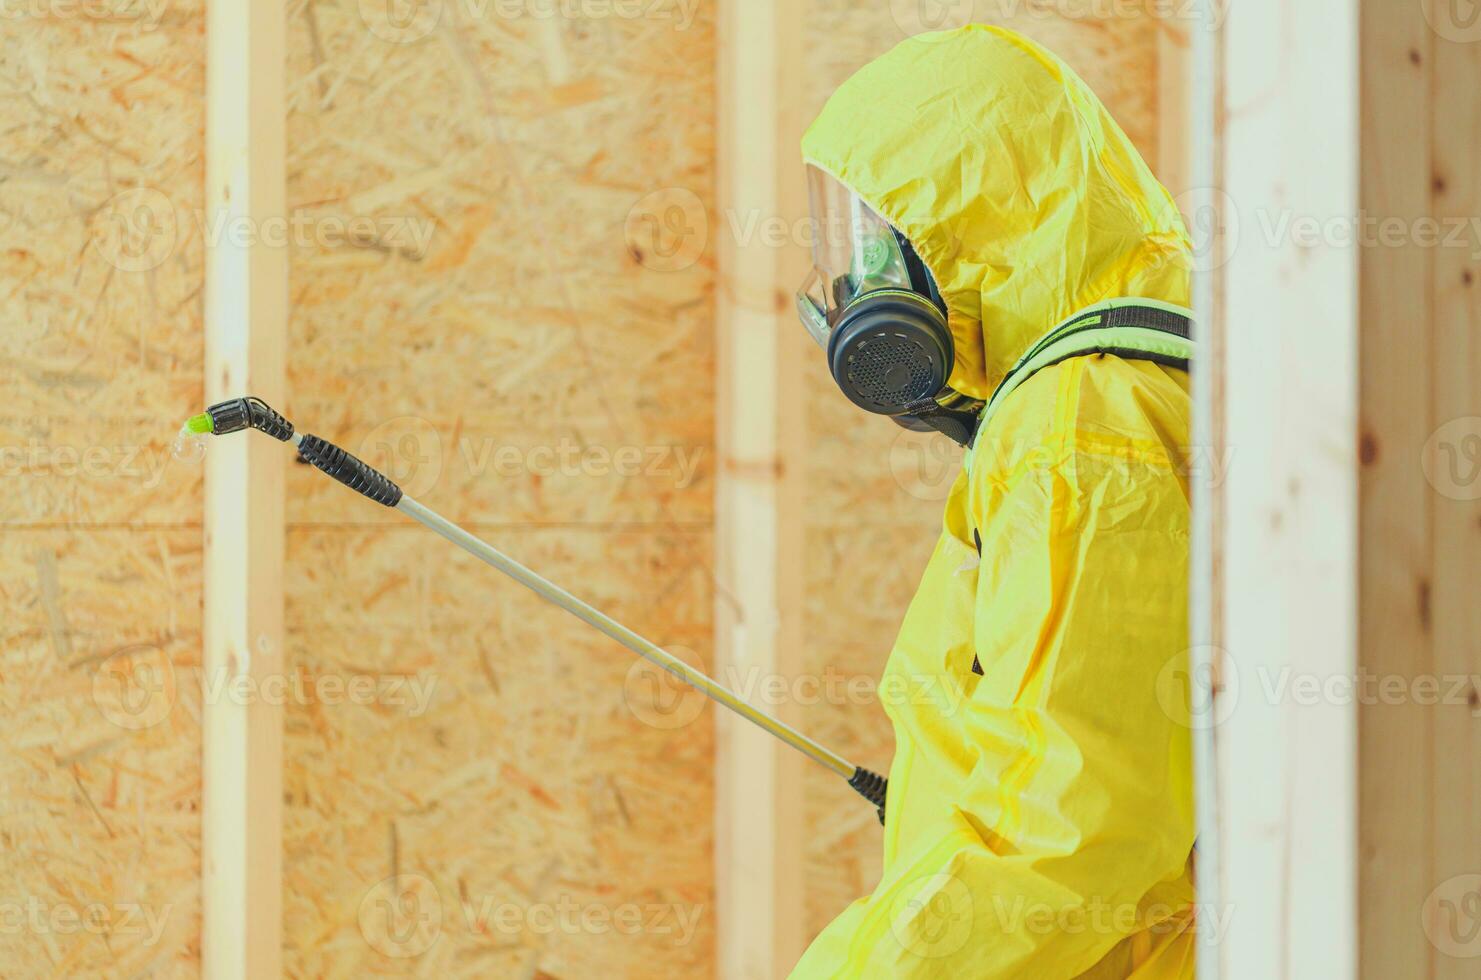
<point x="958" y="426"/>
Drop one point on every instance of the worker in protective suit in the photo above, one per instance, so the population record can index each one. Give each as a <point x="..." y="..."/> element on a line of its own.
<point x="995" y="261"/>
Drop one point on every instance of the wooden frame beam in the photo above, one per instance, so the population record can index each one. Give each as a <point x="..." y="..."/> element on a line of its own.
<point x="1420" y="754"/>
<point x="1286" y="346"/>
<point x="758" y="626"/>
<point x="1397" y="799"/>
<point x="246" y="303"/>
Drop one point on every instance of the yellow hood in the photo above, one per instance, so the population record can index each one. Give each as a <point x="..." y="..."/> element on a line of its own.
<point x="1014" y="184"/>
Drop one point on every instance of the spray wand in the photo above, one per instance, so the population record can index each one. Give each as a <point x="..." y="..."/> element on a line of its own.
<point x="253" y="413"/>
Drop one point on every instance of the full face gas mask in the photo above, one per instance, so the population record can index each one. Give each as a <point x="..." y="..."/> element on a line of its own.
<point x="872" y="305"/>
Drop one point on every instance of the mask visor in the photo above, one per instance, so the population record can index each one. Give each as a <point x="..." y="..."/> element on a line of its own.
<point x="812" y="309"/>
<point x="855" y="251"/>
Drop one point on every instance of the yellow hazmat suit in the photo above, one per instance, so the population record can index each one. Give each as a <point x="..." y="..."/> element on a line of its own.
<point x="1040" y="815"/>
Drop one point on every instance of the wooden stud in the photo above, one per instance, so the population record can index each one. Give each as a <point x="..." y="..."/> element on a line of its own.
<point x="1203" y="119"/>
<point x="758" y="846"/>
<point x="1396" y="511"/>
<point x="1455" y="396"/>
<point x="246" y="317"/>
<point x="1288" y="545"/>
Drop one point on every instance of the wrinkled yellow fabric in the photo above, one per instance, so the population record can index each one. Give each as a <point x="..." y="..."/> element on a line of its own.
<point x="1040" y="815"/>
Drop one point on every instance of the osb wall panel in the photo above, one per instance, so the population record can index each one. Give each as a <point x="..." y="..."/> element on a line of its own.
<point x="100" y="554"/>
<point x="875" y="492"/>
<point x="529" y="355"/>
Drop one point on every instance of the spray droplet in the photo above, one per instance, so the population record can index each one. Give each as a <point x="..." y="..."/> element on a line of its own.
<point x="189" y="447"/>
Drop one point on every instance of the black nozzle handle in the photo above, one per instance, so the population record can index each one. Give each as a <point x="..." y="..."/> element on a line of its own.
<point x="359" y="476"/>
<point x="871" y="786"/>
<point x="237" y="414"/>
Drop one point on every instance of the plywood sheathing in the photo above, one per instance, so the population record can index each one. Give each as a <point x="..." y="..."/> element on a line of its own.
<point x="875" y="493"/>
<point x="498" y="365"/>
<point x="100" y="271"/>
<point x="526" y="320"/>
<point x="99" y="814"/>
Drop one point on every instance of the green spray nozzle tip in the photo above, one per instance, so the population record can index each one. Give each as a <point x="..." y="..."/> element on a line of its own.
<point x="201" y="423"/>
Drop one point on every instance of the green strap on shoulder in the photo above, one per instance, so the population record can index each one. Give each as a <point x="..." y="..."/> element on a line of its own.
<point x="1135" y="329"/>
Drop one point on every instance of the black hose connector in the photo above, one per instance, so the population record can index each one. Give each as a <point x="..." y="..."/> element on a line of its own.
<point x="243" y="413"/>
<point x="871" y="786"/>
<point x="358" y="476"/>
